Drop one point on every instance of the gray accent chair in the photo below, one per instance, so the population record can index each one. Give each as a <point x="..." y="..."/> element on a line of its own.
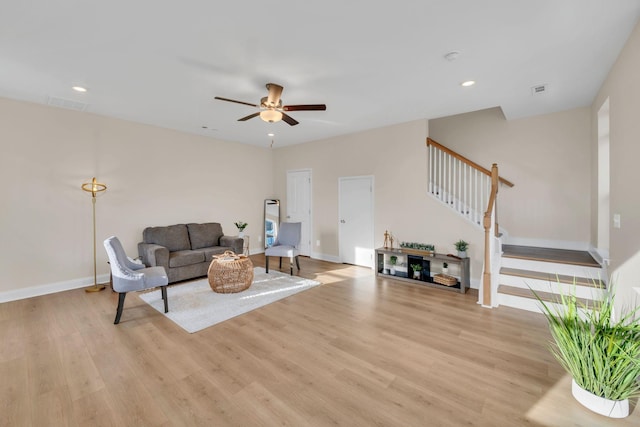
<point x="129" y="276"/>
<point x="286" y="245"/>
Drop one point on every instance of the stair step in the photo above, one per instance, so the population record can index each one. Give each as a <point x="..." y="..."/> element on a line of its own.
<point x="553" y="278"/>
<point x="544" y="296"/>
<point x="562" y="256"/>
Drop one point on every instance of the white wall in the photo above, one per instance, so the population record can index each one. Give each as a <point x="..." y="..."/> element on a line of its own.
<point x="154" y="177"/>
<point x="547" y="157"/>
<point x="622" y="87"/>
<point x="397" y="158"/>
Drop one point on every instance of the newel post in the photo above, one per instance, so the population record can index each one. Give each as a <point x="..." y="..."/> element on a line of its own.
<point x="486" y="223"/>
<point x="486" y="277"/>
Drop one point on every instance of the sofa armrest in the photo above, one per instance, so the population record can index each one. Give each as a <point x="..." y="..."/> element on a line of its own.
<point x="153" y="255"/>
<point x="237" y="243"/>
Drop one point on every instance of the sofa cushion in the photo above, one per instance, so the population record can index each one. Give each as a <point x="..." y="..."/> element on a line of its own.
<point x="182" y="258"/>
<point x="214" y="250"/>
<point x="204" y="235"/>
<point x="173" y="237"/>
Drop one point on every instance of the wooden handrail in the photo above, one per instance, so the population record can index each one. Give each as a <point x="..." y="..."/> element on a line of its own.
<point x="466" y="161"/>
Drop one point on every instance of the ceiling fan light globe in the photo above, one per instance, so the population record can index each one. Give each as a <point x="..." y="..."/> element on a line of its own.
<point x="271" y="116"/>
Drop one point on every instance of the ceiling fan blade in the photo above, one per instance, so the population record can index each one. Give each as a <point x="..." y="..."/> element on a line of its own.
<point x="274" y="93"/>
<point x="250" y="116"/>
<point x="308" y="107"/>
<point x="237" y="102"/>
<point x="290" y="120"/>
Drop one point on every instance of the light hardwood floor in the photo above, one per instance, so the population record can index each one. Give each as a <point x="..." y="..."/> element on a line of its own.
<point x="357" y="351"/>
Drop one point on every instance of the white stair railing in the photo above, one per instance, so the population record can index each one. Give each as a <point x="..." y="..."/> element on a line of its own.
<point x="458" y="182"/>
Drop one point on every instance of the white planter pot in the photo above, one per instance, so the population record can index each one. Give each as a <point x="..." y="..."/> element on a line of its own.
<point x="416" y="275"/>
<point x="241" y="234"/>
<point x="393" y="270"/>
<point x="600" y="405"/>
<point x="462" y="254"/>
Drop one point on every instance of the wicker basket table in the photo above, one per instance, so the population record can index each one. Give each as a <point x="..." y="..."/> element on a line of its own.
<point x="229" y="273"/>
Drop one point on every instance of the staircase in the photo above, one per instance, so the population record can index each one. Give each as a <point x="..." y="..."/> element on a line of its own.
<point x="550" y="273"/>
<point x="509" y="272"/>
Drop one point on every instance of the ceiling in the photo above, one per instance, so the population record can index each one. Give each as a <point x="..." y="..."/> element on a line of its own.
<point x="162" y="63"/>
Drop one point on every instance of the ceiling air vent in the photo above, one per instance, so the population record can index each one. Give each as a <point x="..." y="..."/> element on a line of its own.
<point x="539" y="90"/>
<point x="66" y="103"/>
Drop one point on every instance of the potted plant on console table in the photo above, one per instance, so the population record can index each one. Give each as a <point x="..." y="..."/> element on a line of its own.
<point x="393" y="260"/>
<point x="601" y="354"/>
<point x="417" y="268"/>
<point x="462" y="247"/>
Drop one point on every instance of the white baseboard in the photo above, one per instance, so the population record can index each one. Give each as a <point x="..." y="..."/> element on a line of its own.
<point x="325" y="257"/>
<point x="50" y="288"/>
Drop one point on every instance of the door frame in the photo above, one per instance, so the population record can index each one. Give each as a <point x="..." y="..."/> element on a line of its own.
<point x="371" y="179"/>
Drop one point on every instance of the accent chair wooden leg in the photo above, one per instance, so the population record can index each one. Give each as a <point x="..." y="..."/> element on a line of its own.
<point x="121" y="297"/>
<point x="291" y="266"/>
<point x="266" y="263"/>
<point x="163" y="289"/>
<point x="297" y="263"/>
<point x="280" y="263"/>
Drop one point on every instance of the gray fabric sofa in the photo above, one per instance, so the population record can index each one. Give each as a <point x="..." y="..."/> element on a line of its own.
<point x="185" y="250"/>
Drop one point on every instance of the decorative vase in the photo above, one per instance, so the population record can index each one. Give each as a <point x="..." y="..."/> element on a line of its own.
<point x="393" y="270"/>
<point x="462" y="254"/>
<point x="241" y="234"/>
<point x="416" y="274"/>
<point x="600" y="405"/>
<point x="445" y="270"/>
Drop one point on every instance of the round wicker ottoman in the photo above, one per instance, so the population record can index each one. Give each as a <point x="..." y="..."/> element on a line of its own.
<point x="229" y="273"/>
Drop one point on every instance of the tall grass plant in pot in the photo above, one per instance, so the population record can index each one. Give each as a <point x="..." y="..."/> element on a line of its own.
<point x="600" y="352"/>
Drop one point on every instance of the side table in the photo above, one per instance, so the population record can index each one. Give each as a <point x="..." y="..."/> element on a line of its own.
<point x="245" y="245"/>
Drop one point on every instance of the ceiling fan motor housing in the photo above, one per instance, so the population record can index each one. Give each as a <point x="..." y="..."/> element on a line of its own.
<point x="264" y="103"/>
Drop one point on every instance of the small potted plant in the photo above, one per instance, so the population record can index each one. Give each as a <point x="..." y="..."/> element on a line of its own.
<point x="417" y="268"/>
<point x="445" y="267"/>
<point x="241" y="226"/>
<point x="431" y="249"/>
<point x="462" y="247"/>
<point x="393" y="260"/>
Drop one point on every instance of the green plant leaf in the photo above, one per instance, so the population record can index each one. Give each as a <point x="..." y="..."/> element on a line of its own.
<point x="600" y="353"/>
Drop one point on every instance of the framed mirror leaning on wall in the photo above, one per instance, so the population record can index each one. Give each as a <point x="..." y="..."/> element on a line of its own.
<point x="271" y="221"/>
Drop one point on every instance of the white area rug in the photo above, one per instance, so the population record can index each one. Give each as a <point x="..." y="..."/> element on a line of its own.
<point x="194" y="306"/>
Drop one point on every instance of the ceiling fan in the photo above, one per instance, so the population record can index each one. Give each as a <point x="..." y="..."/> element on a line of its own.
<point x="271" y="108"/>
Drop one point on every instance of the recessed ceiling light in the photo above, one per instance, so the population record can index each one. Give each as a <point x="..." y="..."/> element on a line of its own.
<point x="452" y="56"/>
<point x="270" y="134"/>
<point x="468" y="83"/>
<point x="79" y="89"/>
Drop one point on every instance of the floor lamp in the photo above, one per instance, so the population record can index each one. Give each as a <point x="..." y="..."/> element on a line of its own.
<point x="94" y="187"/>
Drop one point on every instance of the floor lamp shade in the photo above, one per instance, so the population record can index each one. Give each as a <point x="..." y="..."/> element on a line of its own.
<point x="94" y="187"/>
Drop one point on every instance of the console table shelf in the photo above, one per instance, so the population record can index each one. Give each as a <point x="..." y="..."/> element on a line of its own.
<point x="431" y="266"/>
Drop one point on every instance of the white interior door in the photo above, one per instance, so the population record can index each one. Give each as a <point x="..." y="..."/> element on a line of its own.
<point x="356" y="220"/>
<point x="299" y="205"/>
